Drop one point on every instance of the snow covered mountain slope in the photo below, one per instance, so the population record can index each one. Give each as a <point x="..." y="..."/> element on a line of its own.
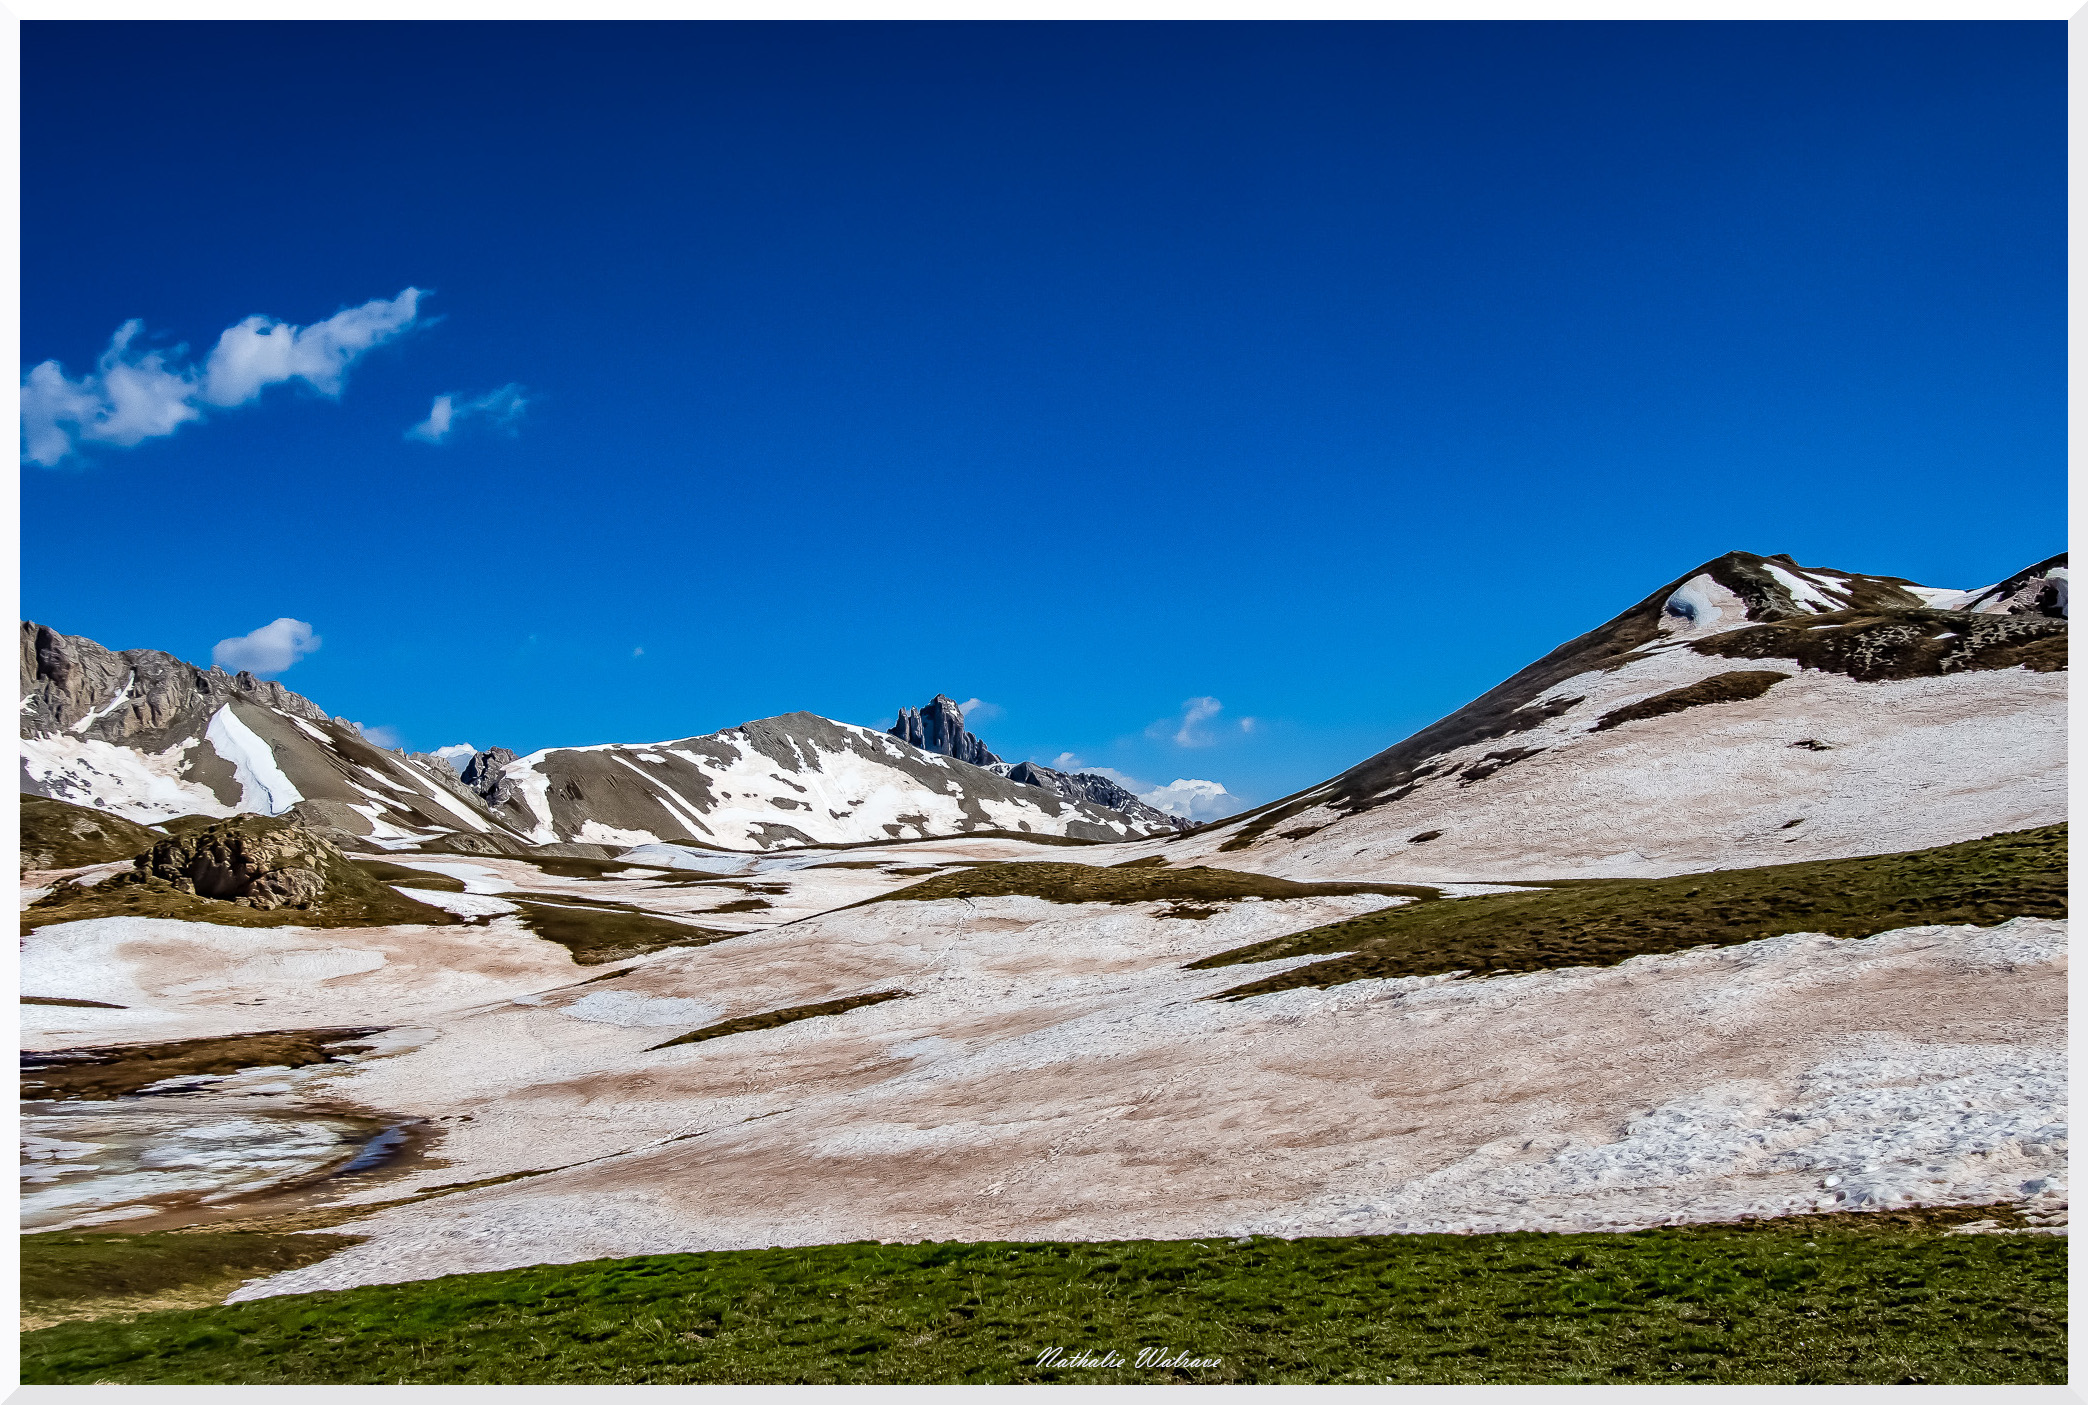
<point x="1751" y="712"/>
<point x="144" y="735"/>
<point x="782" y="782"/>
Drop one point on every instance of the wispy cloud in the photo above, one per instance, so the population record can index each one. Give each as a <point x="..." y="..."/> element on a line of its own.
<point x="1188" y="729"/>
<point x="499" y="408"/>
<point x="386" y="737"/>
<point x="134" y="394"/>
<point x="977" y="710"/>
<point x="270" y="649"/>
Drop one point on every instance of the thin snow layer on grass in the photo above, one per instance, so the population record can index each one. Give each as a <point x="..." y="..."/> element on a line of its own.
<point x="137" y="785"/>
<point x="263" y="786"/>
<point x="476" y="877"/>
<point x="630" y="1010"/>
<point x="1862" y="768"/>
<point x="180" y="980"/>
<point x="1804" y="590"/>
<point x="1057" y="1074"/>
<point x="461" y="904"/>
<point x="94" y="1163"/>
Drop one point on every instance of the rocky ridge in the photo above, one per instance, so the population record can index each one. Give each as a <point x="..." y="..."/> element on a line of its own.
<point x="1096" y="790"/>
<point x="938" y="726"/>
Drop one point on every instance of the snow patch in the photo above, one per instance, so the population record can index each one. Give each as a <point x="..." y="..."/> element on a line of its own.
<point x="263" y="786"/>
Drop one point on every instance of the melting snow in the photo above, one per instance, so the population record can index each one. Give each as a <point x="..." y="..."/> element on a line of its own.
<point x="263" y="786"/>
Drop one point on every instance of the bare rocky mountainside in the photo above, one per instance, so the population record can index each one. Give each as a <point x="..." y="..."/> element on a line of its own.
<point x="144" y="735"/>
<point x="1750" y="902"/>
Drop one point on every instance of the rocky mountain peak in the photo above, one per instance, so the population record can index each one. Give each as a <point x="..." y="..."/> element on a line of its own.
<point x="938" y="726"/>
<point x="135" y="696"/>
<point x="483" y="775"/>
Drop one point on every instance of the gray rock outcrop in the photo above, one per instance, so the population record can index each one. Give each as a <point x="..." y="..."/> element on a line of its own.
<point x="134" y="697"/>
<point x="254" y="863"/>
<point x="483" y="776"/>
<point x="1096" y="790"/>
<point x="938" y="726"/>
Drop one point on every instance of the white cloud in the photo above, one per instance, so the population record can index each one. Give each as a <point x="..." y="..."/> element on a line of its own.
<point x="1188" y="730"/>
<point x="1066" y="761"/>
<point x="1248" y="724"/>
<point x="638" y="652"/>
<point x="976" y="711"/>
<point x="500" y="407"/>
<point x="260" y="351"/>
<point x="458" y="756"/>
<point x="1201" y="801"/>
<point x="386" y="737"/>
<point x="270" y="649"/>
<point x="133" y="395"/>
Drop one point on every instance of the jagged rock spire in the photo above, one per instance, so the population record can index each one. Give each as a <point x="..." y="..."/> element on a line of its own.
<point x="938" y="726"/>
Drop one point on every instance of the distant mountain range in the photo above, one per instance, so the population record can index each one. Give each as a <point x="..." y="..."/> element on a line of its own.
<point x="144" y="735"/>
<point x="1752" y="711"/>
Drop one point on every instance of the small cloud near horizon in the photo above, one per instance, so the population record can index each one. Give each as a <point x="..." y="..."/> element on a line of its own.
<point x="1197" y="800"/>
<point x="135" y="394"/>
<point x="500" y="408"/>
<point x="1188" y="729"/>
<point x="458" y="755"/>
<point x="977" y="710"/>
<point x="272" y="648"/>
<point x="386" y="737"/>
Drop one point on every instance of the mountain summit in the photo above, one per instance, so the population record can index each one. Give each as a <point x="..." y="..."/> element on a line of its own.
<point x="938" y="726"/>
<point x="1754" y="711"/>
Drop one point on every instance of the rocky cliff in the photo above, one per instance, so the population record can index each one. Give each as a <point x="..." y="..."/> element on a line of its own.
<point x="938" y="726"/>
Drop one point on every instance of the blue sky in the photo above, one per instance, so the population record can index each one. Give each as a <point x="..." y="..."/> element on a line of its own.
<point x="1327" y="374"/>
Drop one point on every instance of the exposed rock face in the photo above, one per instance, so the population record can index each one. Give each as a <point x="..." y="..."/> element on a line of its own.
<point x="2041" y="590"/>
<point x="136" y="697"/>
<point x="244" y="860"/>
<point x="1096" y="790"/>
<point x="483" y="776"/>
<point x="939" y="727"/>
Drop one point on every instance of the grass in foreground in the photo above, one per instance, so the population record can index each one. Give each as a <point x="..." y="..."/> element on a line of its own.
<point x="68" y="1276"/>
<point x="1829" y="1298"/>
<point x="1599" y="922"/>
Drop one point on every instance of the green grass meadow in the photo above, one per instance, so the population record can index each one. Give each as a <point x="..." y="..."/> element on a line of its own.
<point x="1879" y="1298"/>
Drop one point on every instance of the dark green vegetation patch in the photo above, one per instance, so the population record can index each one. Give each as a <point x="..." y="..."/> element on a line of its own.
<point x="770" y="1019"/>
<point x="56" y="834"/>
<point x="1599" y="922"/>
<point x="398" y="875"/>
<point x="1900" y="643"/>
<point x="117" y="1070"/>
<point x="1741" y="686"/>
<point x="1089" y="883"/>
<point x="599" y="933"/>
<point x="1821" y="1299"/>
